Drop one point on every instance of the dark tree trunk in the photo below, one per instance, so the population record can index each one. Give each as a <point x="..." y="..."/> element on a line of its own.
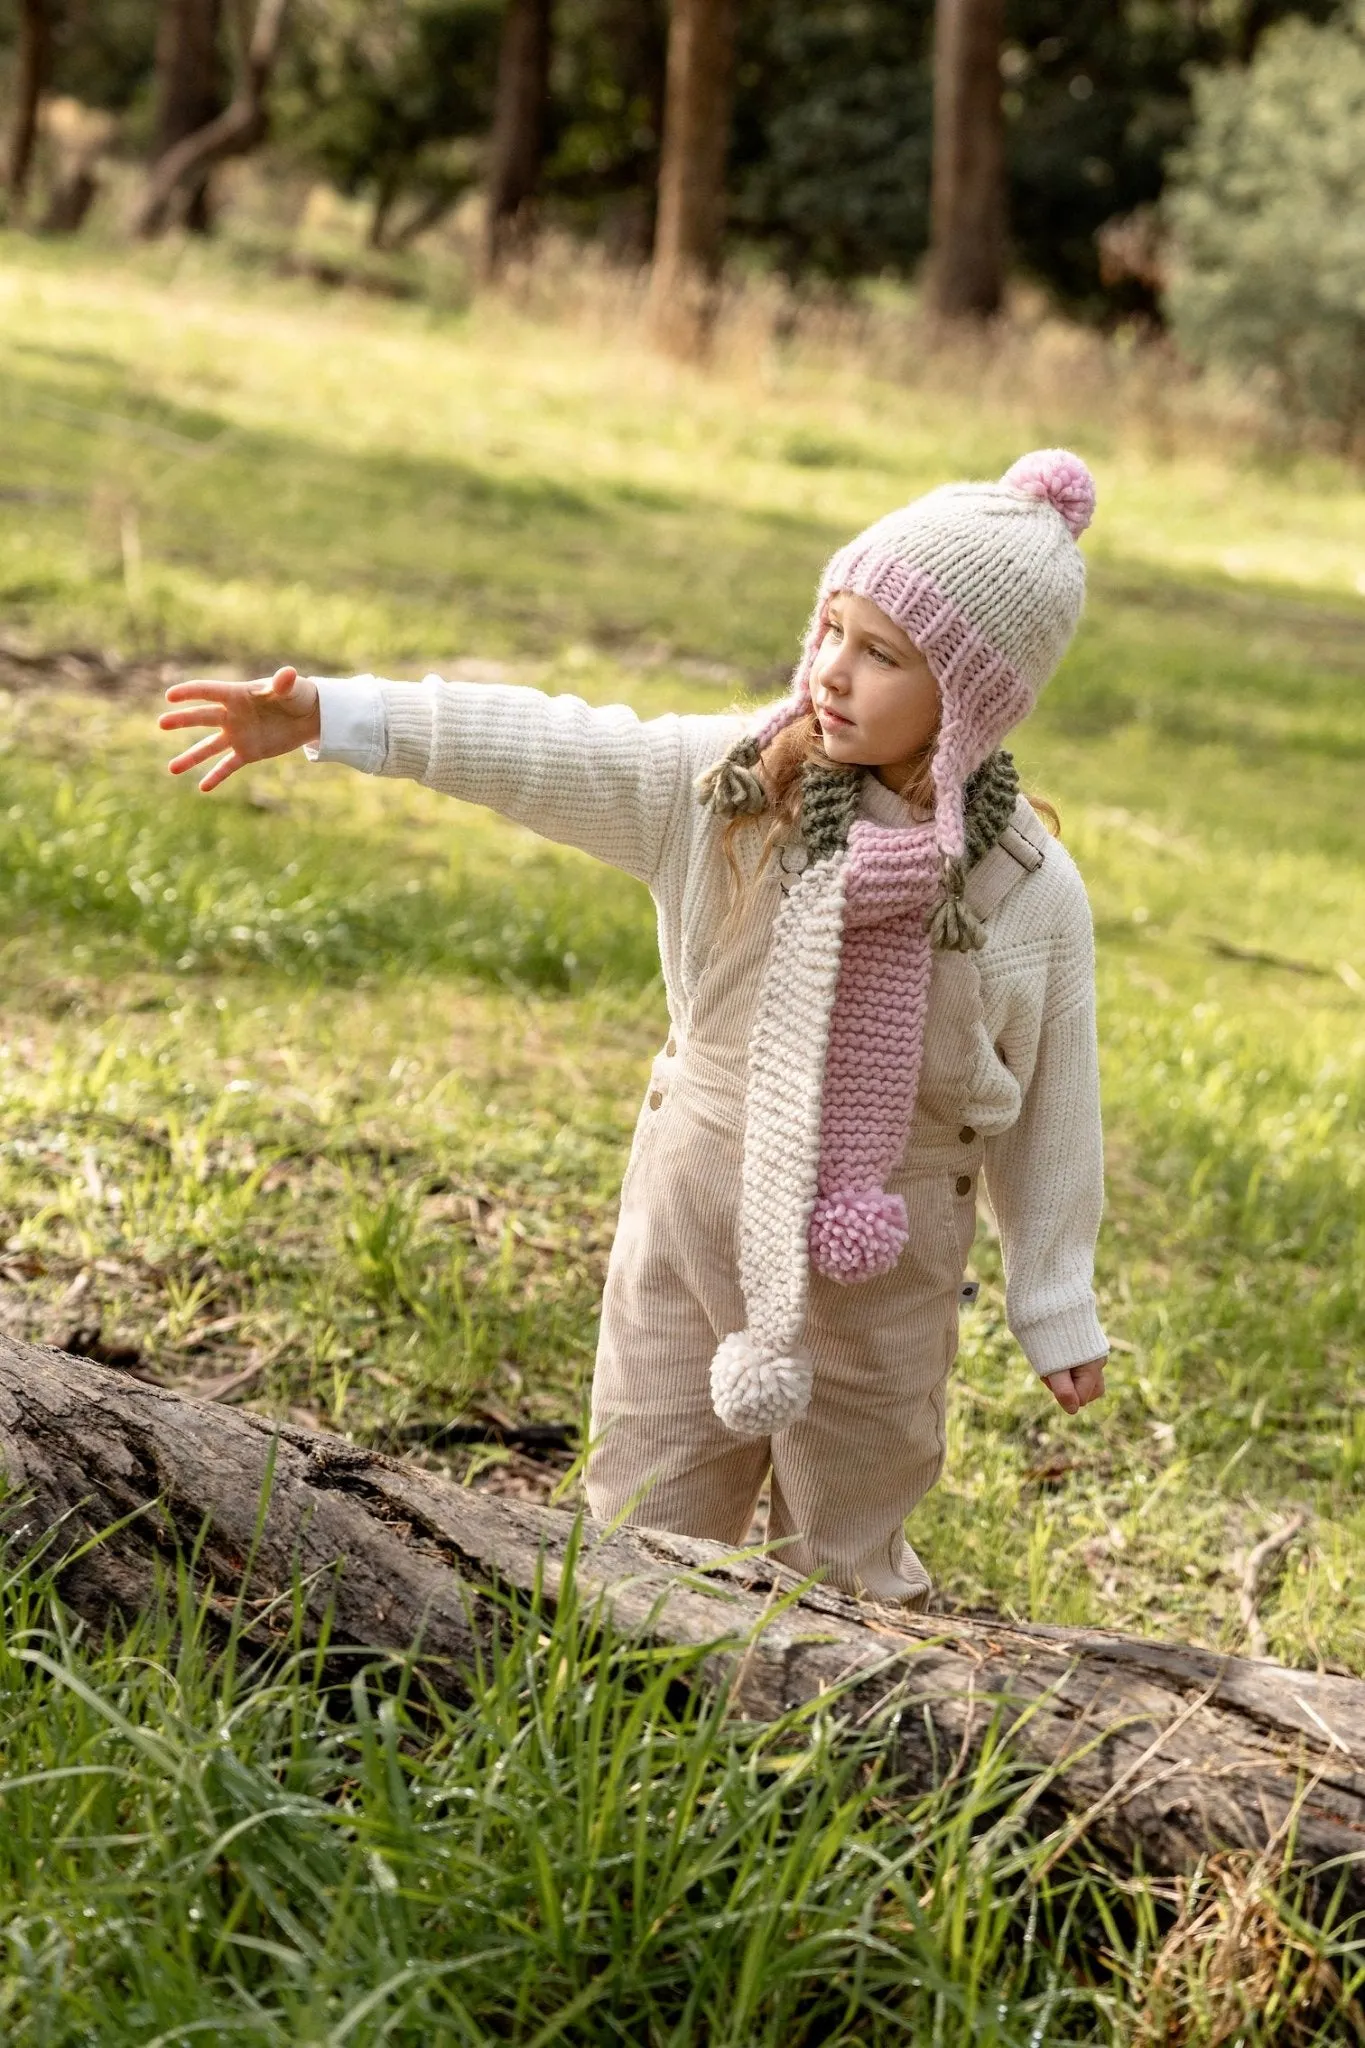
<point x="32" y="58"/>
<point x="385" y="199"/>
<point x="698" y="96"/>
<point x="637" y="31"/>
<point x="189" y="91"/>
<point x="1143" y="1747"/>
<point x="238" y="129"/>
<point x="967" y="203"/>
<point x="516" y="148"/>
<point x="71" y="198"/>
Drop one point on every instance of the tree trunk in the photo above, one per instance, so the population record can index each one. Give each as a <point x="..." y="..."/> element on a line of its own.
<point x="32" y="57"/>
<point x="188" y="91"/>
<point x="967" y="200"/>
<point x="698" y="94"/>
<point x="637" y="33"/>
<point x="1143" y="1746"/>
<point x="70" y="200"/>
<point x="240" y="126"/>
<point x="516" y="147"/>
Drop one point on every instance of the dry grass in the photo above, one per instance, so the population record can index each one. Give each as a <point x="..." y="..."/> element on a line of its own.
<point x="1237" y="1961"/>
<point x="1027" y="366"/>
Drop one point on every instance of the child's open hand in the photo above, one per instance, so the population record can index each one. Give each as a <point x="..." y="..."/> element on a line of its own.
<point x="1075" y="1389"/>
<point x="254" y="721"/>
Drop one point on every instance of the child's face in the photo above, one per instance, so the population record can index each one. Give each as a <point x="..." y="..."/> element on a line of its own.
<point x="873" y="691"/>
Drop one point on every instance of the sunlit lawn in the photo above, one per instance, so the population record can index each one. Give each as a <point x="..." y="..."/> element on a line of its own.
<point x="334" y="1079"/>
<point x="317" y="1094"/>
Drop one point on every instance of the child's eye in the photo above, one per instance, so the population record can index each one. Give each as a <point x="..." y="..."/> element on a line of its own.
<point x="880" y="654"/>
<point x="835" y="628"/>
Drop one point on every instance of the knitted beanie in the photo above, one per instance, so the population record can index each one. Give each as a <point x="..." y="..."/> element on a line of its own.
<point x="987" y="581"/>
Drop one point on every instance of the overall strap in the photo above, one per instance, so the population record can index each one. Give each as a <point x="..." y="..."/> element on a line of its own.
<point x="1019" y="851"/>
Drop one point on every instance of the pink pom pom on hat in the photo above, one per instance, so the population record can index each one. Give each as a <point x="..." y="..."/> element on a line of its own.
<point x="1062" y="479"/>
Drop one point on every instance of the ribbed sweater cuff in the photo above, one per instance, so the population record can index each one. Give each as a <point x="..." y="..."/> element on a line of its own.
<point x="408" y="718"/>
<point x="1061" y="1342"/>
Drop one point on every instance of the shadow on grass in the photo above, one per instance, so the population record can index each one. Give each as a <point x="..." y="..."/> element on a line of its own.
<point x="193" y="888"/>
<point x="521" y="558"/>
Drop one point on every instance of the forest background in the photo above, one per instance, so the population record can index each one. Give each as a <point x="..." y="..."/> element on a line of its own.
<point x="827" y="110"/>
<point x="316" y="1095"/>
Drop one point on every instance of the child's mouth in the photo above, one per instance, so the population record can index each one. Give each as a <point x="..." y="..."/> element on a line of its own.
<point x="829" y="717"/>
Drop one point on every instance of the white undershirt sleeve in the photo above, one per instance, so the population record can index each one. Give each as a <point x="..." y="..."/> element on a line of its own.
<point x="354" y="726"/>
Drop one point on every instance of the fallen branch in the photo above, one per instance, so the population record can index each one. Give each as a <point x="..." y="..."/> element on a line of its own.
<point x="1143" y="1746"/>
<point x="1255" y="1570"/>
<point x="1258" y="956"/>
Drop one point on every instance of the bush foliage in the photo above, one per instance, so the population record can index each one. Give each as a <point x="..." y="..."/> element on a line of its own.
<point x="1266" y="208"/>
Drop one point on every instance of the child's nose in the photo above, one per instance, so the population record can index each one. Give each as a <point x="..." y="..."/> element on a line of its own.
<point x="832" y="673"/>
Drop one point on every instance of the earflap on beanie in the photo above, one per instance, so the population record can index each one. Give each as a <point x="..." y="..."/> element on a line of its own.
<point x="987" y="581"/>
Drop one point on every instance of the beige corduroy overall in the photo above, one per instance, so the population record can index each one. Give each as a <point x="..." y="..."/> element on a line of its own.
<point x="872" y="1442"/>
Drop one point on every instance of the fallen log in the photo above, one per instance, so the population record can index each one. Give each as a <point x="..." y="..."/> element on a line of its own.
<point x="1153" y="1747"/>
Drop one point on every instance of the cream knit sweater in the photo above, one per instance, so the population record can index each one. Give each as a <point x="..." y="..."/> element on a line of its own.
<point x="1011" y="1030"/>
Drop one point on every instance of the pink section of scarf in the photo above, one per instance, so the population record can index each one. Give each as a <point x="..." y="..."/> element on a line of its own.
<point x="876" y="1047"/>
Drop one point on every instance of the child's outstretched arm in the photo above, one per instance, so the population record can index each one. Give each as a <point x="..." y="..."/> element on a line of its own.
<point x="593" y="776"/>
<point x="597" y="777"/>
<point x="253" y="721"/>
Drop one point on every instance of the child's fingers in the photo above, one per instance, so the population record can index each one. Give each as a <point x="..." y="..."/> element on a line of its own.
<point x="229" y="765"/>
<point x="208" y="693"/>
<point x="278" y="685"/>
<point x="203" y="714"/>
<point x="1076" y="1389"/>
<point x="1090" y="1383"/>
<point x="203" y="750"/>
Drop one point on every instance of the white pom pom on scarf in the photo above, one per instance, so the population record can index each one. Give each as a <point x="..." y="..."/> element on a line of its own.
<point x="755" y="1393"/>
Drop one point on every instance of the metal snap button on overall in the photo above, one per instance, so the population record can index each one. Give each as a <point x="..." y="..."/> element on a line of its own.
<point x="964" y="1183"/>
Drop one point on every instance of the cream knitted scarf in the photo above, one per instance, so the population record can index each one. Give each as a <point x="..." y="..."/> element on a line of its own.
<point x="834" y="1064"/>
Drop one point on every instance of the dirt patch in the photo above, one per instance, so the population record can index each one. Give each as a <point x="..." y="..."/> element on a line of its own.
<point x="101" y="670"/>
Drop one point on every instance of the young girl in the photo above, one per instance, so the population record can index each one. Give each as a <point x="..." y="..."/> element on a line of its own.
<point x="880" y="984"/>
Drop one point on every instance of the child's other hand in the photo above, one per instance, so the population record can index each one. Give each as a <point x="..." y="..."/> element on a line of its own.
<point x="1079" y="1386"/>
<point x="254" y="721"/>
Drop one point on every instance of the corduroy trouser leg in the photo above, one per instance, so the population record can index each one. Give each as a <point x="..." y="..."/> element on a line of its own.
<point x="871" y="1444"/>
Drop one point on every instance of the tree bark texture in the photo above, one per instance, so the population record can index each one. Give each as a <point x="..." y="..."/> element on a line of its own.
<point x="967" y="195"/>
<point x="188" y="90"/>
<point x="516" y="148"/>
<point x="240" y="126"/>
<point x="32" y="57"/>
<point x="1147" y="1746"/>
<point x="698" y="95"/>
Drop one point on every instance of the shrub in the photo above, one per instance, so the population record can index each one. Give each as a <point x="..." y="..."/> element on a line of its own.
<point x="1270" y="242"/>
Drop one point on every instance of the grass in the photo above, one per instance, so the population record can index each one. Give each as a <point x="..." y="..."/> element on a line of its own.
<point x="329" y="1083"/>
<point x="269" y="1848"/>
